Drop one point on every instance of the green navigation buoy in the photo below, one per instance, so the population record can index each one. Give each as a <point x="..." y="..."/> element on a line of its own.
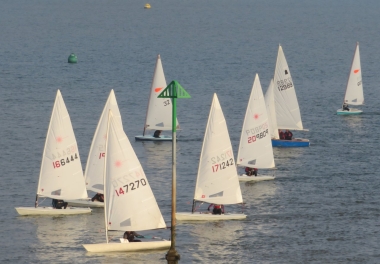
<point x="73" y="58"/>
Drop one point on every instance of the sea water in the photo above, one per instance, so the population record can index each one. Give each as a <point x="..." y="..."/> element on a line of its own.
<point x="323" y="206"/>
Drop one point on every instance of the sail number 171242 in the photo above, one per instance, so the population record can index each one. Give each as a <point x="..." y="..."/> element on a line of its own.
<point x="223" y="165"/>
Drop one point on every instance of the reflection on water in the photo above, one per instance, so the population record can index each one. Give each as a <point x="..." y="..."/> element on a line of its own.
<point x="215" y="240"/>
<point x="353" y="121"/>
<point x="158" y="155"/>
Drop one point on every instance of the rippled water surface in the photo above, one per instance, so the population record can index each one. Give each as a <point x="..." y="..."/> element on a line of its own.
<point x="323" y="206"/>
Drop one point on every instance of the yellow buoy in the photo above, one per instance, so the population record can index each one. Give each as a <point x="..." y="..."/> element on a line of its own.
<point x="147" y="6"/>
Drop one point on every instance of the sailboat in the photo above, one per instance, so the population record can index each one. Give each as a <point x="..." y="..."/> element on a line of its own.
<point x="95" y="161"/>
<point x="217" y="180"/>
<point x="288" y="114"/>
<point x="61" y="175"/>
<point x="129" y="201"/>
<point x="255" y="148"/>
<point x="159" y="112"/>
<point x="354" y="90"/>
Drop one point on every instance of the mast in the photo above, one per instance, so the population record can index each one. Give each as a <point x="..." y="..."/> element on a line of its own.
<point x="203" y="145"/>
<point x="349" y="74"/>
<point x="104" y="176"/>
<point x="150" y="93"/>
<point x="43" y="153"/>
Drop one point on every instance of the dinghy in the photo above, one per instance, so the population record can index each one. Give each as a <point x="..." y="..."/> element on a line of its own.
<point x="255" y="148"/>
<point x="354" y="90"/>
<point x="287" y="110"/>
<point x="159" y="112"/>
<point x="217" y="180"/>
<point x="61" y="175"/>
<point x="129" y="203"/>
<point x="95" y="161"/>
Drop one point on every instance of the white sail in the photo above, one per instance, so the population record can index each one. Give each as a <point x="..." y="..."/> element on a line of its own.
<point x="95" y="162"/>
<point x="287" y="109"/>
<point x="61" y="175"/>
<point x="271" y="110"/>
<point x="354" y="91"/>
<point x="159" y="113"/>
<point x="255" y="148"/>
<point x="130" y="203"/>
<point x="217" y="180"/>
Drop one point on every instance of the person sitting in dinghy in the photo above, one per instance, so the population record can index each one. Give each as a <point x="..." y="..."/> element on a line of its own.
<point x="157" y="133"/>
<point x="99" y="197"/>
<point x="58" y="204"/>
<point x="217" y="208"/>
<point x="345" y="107"/>
<point x="130" y="236"/>
<point x="250" y="171"/>
<point x="281" y="134"/>
<point x="288" y="135"/>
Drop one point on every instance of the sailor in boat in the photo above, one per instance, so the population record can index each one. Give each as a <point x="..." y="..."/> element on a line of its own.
<point x="251" y="171"/>
<point x="157" y="133"/>
<point x="281" y="134"/>
<point x="217" y="208"/>
<point x="345" y="107"/>
<point x="288" y="135"/>
<point x="58" y="204"/>
<point x="99" y="197"/>
<point x="130" y="236"/>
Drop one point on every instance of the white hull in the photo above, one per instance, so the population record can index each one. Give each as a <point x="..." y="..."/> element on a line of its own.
<point x="352" y="111"/>
<point x="151" y="138"/>
<point x="245" y="178"/>
<point x="85" y="203"/>
<point x="182" y="216"/>
<point x="51" y="211"/>
<point x="126" y="247"/>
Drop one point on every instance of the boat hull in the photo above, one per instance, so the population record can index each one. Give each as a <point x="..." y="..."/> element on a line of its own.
<point x="245" y="178"/>
<point x="294" y="143"/>
<point x="352" y="111"/>
<point x="127" y="247"/>
<point x="51" y="211"/>
<point x="151" y="138"/>
<point x="85" y="203"/>
<point x="185" y="216"/>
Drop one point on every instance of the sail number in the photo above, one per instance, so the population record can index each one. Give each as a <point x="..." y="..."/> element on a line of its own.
<point x="258" y="136"/>
<point x="62" y="162"/>
<point x="131" y="186"/>
<point x="222" y="165"/>
<point x="284" y="84"/>
<point x="167" y="102"/>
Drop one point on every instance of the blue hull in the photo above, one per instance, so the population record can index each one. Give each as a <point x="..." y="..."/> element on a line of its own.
<point x="295" y="143"/>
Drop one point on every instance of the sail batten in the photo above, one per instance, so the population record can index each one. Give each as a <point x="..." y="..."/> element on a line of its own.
<point x="217" y="180"/>
<point x="354" y="91"/>
<point x="95" y="160"/>
<point x="159" y="112"/>
<point x="287" y="109"/>
<point x="130" y="203"/>
<point x="61" y="175"/>
<point x="255" y="147"/>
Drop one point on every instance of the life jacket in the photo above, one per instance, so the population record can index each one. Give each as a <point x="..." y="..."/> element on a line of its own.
<point x="217" y="206"/>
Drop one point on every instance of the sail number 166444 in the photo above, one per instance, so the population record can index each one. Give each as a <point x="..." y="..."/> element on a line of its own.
<point x="62" y="162"/>
<point x="223" y="165"/>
